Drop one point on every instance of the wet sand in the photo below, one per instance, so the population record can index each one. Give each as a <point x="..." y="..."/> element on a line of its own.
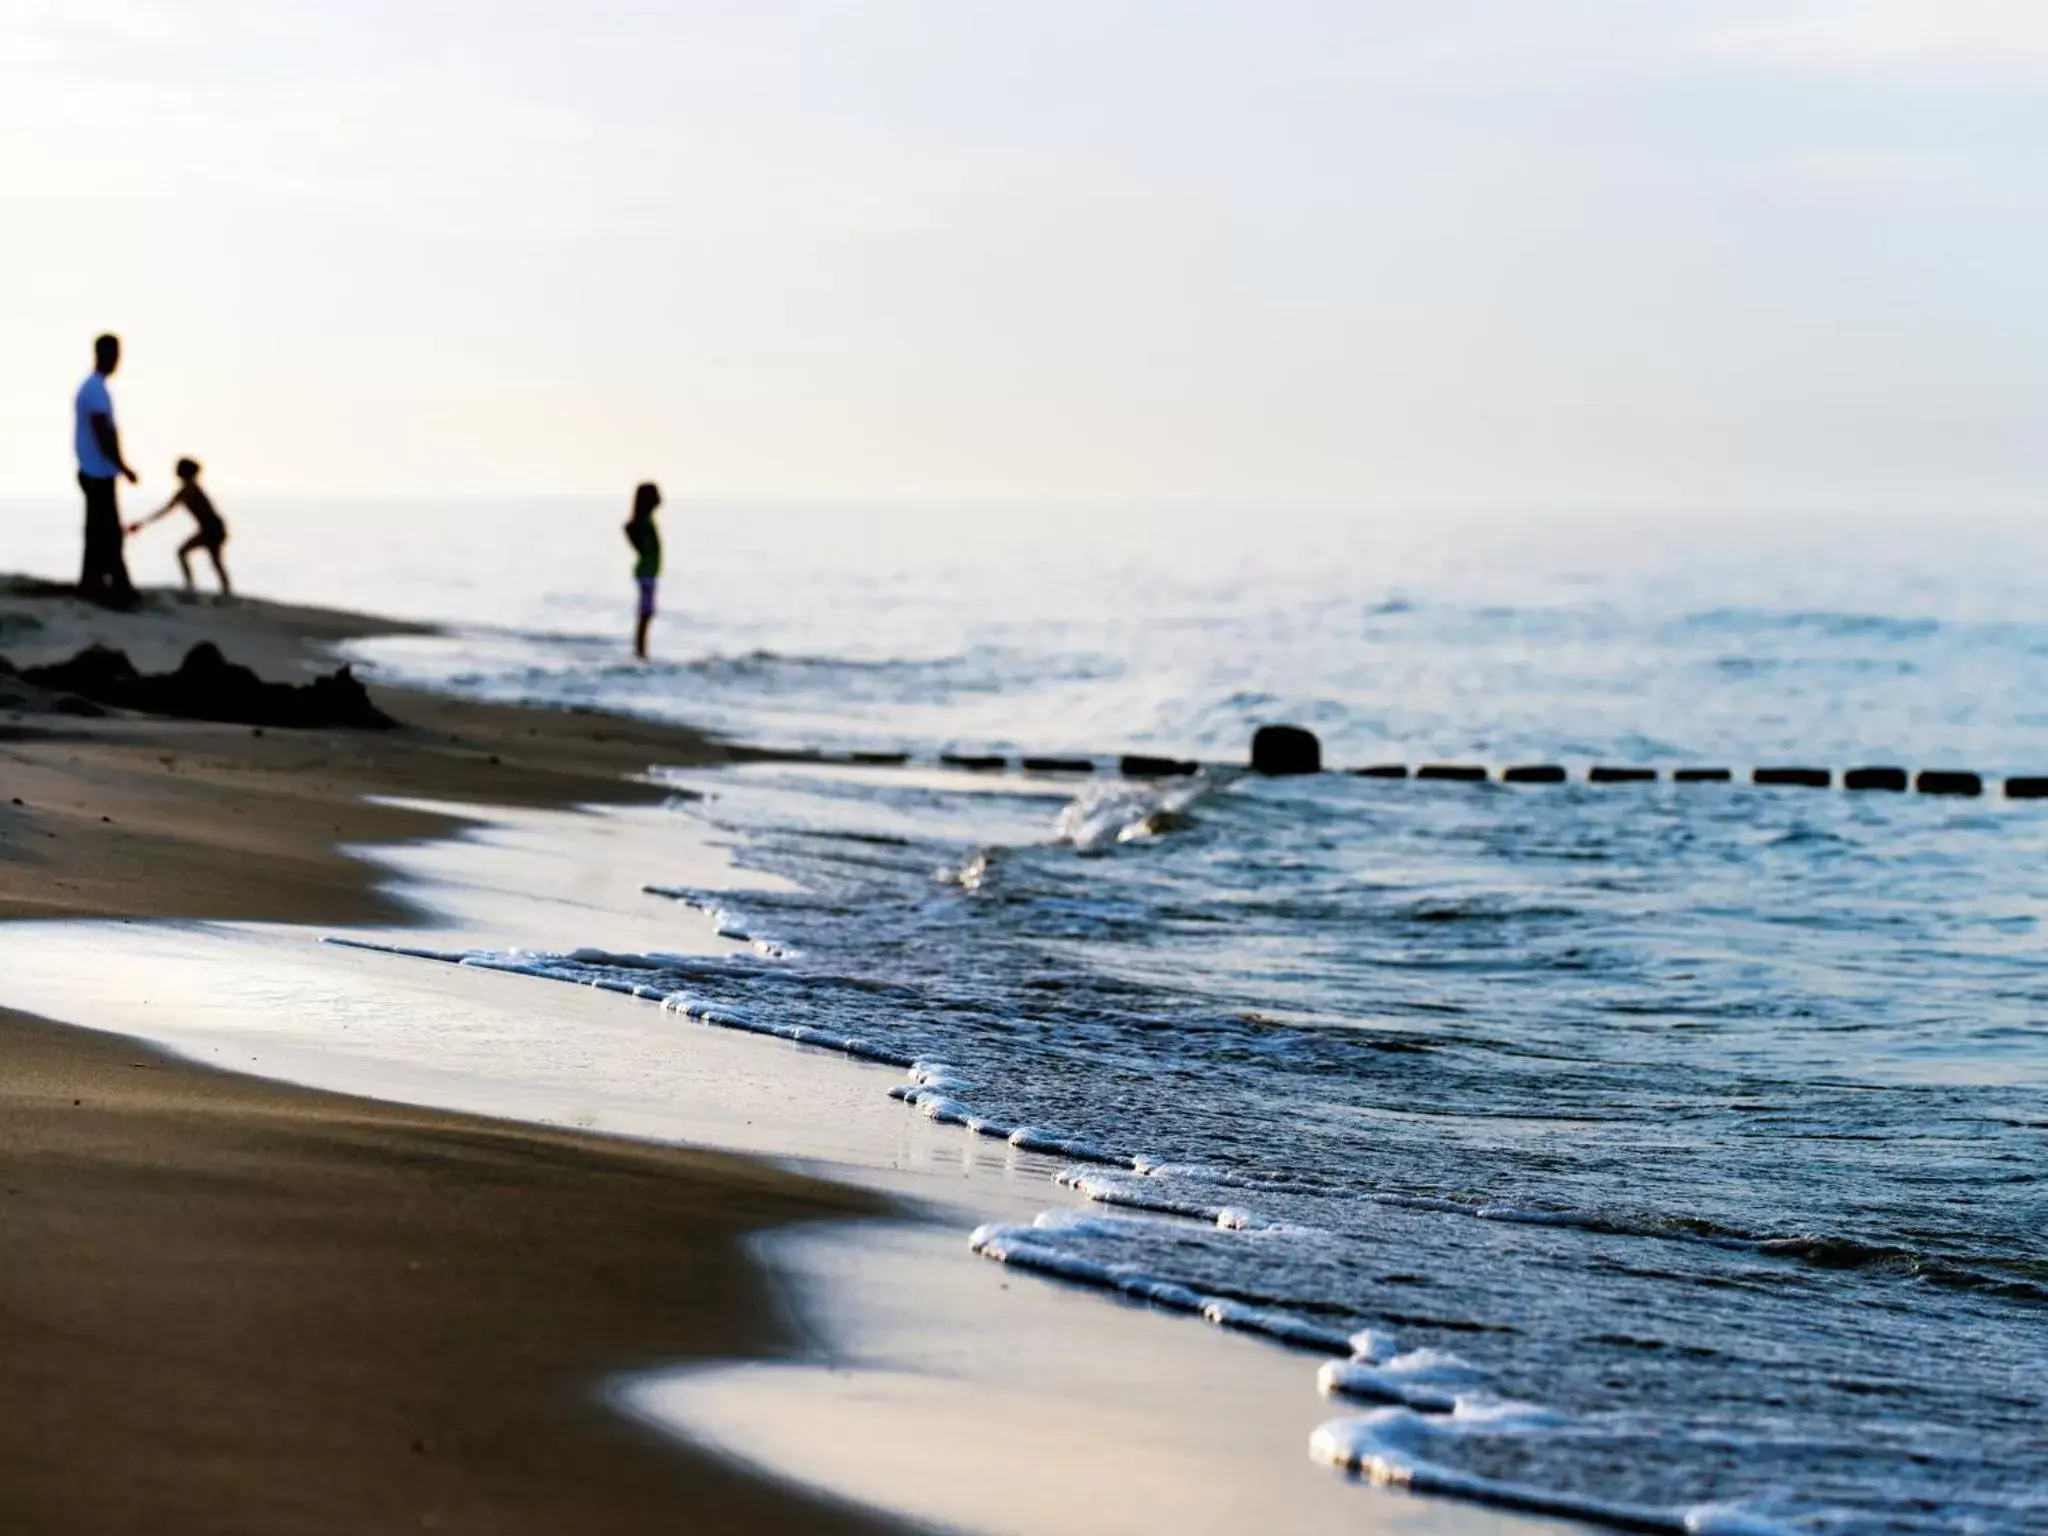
<point x="235" y="1306"/>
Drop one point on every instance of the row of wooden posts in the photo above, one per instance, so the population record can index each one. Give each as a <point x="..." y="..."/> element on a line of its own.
<point x="1292" y="749"/>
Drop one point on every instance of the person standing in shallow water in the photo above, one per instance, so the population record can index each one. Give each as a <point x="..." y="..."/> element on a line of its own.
<point x="646" y="541"/>
<point x="211" y="534"/>
<point x="104" y="575"/>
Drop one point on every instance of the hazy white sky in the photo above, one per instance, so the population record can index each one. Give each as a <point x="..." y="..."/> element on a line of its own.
<point x="1521" y="252"/>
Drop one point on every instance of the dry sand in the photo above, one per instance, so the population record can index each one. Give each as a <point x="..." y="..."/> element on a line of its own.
<point x="232" y="1306"/>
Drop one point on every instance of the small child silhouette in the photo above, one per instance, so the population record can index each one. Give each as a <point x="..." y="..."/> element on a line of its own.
<point x="212" y="535"/>
<point x="646" y="541"/>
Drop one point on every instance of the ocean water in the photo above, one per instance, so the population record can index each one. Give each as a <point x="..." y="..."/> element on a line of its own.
<point x="1668" y="1154"/>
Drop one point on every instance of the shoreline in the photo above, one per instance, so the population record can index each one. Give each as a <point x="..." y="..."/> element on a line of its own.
<point x="150" y="816"/>
<point x="931" y="1384"/>
<point x="911" y="1345"/>
<point x="239" y="1304"/>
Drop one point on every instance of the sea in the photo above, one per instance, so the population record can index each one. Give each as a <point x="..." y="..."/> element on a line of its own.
<point x="1673" y="1155"/>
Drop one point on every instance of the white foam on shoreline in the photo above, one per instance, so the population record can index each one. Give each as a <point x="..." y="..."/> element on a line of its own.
<point x="1391" y="1445"/>
<point x="1423" y="1379"/>
<point x="1025" y="1247"/>
<point x="1436" y="1393"/>
<point x="1066" y="1418"/>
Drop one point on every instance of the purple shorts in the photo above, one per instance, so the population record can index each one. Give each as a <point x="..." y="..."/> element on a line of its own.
<point x="647" y="584"/>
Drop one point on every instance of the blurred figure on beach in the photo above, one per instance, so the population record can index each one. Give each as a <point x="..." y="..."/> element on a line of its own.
<point x="646" y="541"/>
<point x="104" y="576"/>
<point x="211" y="535"/>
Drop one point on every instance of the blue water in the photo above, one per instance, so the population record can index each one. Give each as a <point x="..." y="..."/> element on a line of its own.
<point x="1707" y="1123"/>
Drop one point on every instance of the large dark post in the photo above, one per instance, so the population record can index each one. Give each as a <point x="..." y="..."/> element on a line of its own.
<point x="1286" y="749"/>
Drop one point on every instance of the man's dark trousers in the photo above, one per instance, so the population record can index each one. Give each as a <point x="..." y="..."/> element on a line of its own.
<point x="104" y="578"/>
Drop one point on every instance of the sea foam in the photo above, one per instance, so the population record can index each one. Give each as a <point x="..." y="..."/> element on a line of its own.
<point x="1392" y="1445"/>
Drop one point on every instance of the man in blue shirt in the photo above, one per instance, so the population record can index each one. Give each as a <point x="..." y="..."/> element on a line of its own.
<point x="104" y="577"/>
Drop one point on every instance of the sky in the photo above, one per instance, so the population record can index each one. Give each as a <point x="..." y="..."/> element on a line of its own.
<point x="1651" y="254"/>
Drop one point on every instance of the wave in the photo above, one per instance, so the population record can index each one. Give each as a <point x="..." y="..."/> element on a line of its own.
<point x="1025" y="1248"/>
<point x="1436" y="1387"/>
<point x="2023" y="1280"/>
<point x="1483" y="911"/>
<point x="1821" y="1251"/>
<point x="975" y="670"/>
<point x="1831" y="623"/>
<point x="1390" y="1446"/>
<point x="1436" y="1393"/>
<point x="2010" y="1280"/>
<point x="1138" y="1197"/>
<point x="1103" y="816"/>
<point x="759" y="660"/>
<point x="723" y="923"/>
<point x="941" y="1094"/>
<point x="1423" y="1379"/>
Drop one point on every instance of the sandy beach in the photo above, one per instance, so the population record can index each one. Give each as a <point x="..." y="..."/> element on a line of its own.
<point x="243" y="1305"/>
<point x="143" y="816"/>
<point x="528" y="1256"/>
<point x="235" y="1306"/>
